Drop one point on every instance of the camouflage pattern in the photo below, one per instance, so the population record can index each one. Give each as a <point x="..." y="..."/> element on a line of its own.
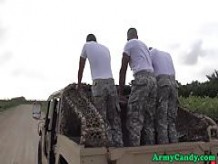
<point x="195" y="127"/>
<point x="80" y="120"/>
<point x="167" y="106"/>
<point x="172" y="114"/>
<point x="141" y="110"/>
<point x="106" y="100"/>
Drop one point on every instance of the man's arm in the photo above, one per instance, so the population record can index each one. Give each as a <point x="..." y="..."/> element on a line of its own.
<point x="82" y="63"/>
<point x="122" y="79"/>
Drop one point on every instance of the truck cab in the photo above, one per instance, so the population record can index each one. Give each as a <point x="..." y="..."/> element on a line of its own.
<point x="47" y="131"/>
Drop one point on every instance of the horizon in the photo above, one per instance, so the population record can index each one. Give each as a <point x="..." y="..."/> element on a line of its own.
<point x="33" y="99"/>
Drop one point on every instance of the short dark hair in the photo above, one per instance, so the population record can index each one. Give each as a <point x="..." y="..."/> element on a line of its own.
<point x="91" y="37"/>
<point x="132" y="33"/>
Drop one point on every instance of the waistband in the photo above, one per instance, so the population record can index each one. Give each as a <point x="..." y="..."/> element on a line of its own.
<point x="171" y="77"/>
<point x="103" y="81"/>
<point x="144" y="73"/>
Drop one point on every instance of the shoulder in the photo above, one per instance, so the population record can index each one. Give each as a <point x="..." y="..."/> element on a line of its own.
<point x="154" y="52"/>
<point x="85" y="46"/>
<point x="167" y="54"/>
<point x="130" y="44"/>
<point x="84" y="50"/>
<point x="103" y="47"/>
<point x="169" y="57"/>
<point x="134" y="42"/>
<point x="91" y="46"/>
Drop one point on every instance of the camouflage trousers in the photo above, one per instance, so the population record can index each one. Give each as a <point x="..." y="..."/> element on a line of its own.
<point x="107" y="103"/>
<point x="167" y="106"/>
<point x="141" y="110"/>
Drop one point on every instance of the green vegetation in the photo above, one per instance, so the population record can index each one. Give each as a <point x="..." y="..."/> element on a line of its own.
<point x="6" y="104"/>
<point x="203" y="105"/>
<point x="208" y="88"/>
<point x="44" y="106"/>
<point x="201" y="97"/>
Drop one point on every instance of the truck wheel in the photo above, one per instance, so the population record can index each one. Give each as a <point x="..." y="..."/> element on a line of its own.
<point x="40" y="152"/>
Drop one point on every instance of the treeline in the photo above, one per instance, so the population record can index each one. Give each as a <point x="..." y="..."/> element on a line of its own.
<point x="208" y="88"/>
<point x="9" y="103"/>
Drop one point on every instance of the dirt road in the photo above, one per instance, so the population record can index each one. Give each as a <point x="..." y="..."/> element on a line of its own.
<point x="18" y="136"/>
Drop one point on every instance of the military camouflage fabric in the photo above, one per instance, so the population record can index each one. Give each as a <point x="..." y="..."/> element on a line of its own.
<point x="167" y="106"/>
<point x="106" y="101"/>
<point x="80" y="120"/>
<point x="141" y="110"/>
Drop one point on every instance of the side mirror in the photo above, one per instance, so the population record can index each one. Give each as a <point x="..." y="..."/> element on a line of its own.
<point x="36" y="111"/>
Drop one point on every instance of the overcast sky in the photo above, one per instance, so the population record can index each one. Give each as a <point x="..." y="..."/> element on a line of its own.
<point x="41" y="40"/>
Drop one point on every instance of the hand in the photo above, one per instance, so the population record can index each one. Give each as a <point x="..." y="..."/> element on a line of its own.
<point x="78" y="87"/>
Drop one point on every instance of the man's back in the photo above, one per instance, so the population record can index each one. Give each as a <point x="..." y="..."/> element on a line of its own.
<point x="162" y="62"/>
<point x="141" y="102"/>
<point x="99" y="59"/>
<point x="139" y="55"/>
<point x="104" y="93"/>
<point x="166" y="97"/>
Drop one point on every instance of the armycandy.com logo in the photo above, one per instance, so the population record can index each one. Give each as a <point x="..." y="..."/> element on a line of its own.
<point x="178" y="157"/>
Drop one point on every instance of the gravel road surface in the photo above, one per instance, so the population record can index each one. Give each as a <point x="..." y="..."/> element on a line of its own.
<point x="18" y="136"/>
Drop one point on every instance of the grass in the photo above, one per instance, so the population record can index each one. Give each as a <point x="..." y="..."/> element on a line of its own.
<point x="203" y="105"/>
<point x="44" y="106"/>
<point x="6" y="104"/>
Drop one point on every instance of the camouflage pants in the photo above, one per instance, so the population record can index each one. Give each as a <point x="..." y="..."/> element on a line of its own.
<point x="106" y="101"/>
<point x="141" y="110"/>
<point x="167" y="105"/>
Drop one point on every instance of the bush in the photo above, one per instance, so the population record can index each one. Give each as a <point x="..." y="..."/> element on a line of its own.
<point x="5" y="104"/>
<point x="203" y="105"/>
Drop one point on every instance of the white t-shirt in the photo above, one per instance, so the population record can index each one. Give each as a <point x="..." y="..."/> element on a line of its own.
<point x="139" y="56"/>
<point x="99" y="59"/>
<point x="162" y="62"/>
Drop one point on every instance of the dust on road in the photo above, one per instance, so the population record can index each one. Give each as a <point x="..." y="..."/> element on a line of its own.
<point x="18" y="136"/>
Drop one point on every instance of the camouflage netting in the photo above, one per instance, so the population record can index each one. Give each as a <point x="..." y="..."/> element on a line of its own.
<point x="80" y="119"/>
<point x="84" y="124"/>
<point x="190" y="126"/>
<point x="193" y="126"/>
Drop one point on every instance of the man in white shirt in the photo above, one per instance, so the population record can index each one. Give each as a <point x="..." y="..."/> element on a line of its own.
<point x="167" y="96"/>
<point x="103" y="89"/>
<point x="142" y="100"/>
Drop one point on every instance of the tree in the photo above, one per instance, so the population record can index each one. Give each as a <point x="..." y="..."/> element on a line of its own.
<point x="213" y="76"/>
<point x="195" y="88"/>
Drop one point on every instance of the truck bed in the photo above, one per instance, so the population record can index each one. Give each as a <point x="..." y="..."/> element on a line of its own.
<point x="73" y="153"/>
